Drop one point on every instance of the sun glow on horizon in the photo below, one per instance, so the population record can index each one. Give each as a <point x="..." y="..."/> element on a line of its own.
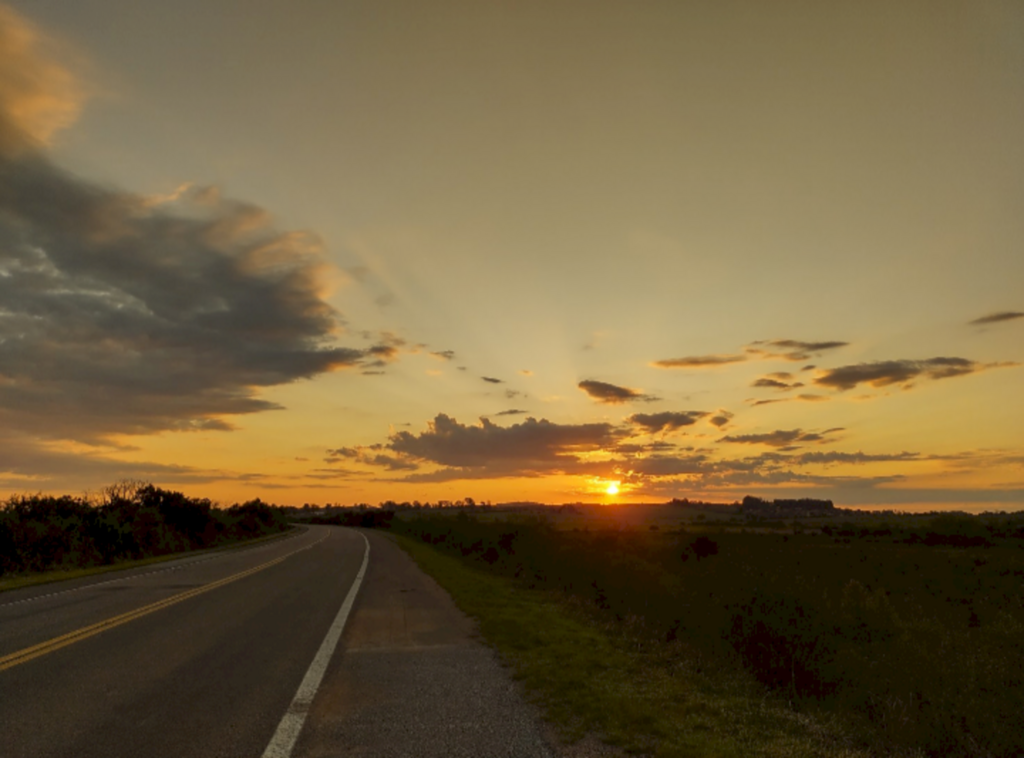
<point x="612" y="488"/>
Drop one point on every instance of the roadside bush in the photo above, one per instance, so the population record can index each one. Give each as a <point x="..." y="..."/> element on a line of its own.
<point x="135" y="520"/>
<point x="368" y="519"/>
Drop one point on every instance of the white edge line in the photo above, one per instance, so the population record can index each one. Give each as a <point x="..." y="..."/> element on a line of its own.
<point x="287" y="734"/>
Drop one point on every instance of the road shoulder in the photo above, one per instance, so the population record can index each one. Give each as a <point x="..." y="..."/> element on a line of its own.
<point x="411" y="677"/>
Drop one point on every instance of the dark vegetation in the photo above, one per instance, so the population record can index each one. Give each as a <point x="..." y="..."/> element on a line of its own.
<point x="802" y="508"/>
<point x="910" y="628"/>
<point x="130" y="521"/>
<point x="366" y="518"/>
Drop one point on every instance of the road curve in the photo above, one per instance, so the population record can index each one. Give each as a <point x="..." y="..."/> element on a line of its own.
<point x="203" y="656"/>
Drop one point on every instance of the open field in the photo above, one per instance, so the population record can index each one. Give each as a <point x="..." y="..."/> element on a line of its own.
<point x="592" y="675"/>
<point x="898" y="634"/>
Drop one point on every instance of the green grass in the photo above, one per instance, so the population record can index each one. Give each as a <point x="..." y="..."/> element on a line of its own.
<point x="592" y="675"/>
<point x="60" y="575"/>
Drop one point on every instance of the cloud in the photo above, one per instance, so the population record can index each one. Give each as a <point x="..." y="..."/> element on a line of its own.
<point x="444" y="355"/>
<point x="700" y="361"/>
<point x="385" y="351"/>
<point x="492" y="380"/>
<point x="995" y="318"/>
<point x="721" y="418"/>
<point x="382" y="353"/>
<point x="781" y="438"/>
<point x="127" y="314"/>
<point x="665" y="422"/>
<point x="38" y="96"/>
<point x="885" y="373"/>
<point x="511" y="412"/>
<point x="391" y="463"/>
<point x="119" y="317"/>
<point x="612" y="394"/>
<point x="792" y="350"/>
<point x="530" y="446"/>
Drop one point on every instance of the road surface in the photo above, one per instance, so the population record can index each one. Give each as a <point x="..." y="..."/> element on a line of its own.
<point x="204" y="656"/>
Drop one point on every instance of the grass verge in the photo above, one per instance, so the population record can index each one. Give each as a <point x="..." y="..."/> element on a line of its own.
<point x="61" y="575"/>
<point x="593" y="676"/>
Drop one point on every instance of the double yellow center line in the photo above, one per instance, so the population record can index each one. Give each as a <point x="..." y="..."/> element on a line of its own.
<point x="35" y="651"/>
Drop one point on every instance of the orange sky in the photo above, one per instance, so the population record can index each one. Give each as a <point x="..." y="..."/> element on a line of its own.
<point x="351" y="252"/>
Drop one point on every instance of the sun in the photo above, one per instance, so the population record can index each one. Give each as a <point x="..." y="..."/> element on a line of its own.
<point x="612" y="488"/>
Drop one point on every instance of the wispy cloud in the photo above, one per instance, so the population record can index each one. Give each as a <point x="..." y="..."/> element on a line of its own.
<point x="832" y="457"/>
<point x="792" y="350"/>
<point x="782" y="438"/>
<point x="700" y="361"/>
<point x="781" y="349"/>
<point x="370" y="455"/>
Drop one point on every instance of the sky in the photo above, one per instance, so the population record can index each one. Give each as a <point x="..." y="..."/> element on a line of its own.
<point x="351" y="252"/>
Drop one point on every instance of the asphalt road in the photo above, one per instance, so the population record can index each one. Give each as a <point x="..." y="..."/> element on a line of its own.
<point x="203" y="657"/>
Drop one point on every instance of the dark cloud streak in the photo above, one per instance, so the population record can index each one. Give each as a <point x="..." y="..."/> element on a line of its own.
<point x="700" y="361"/>
<point x="792" y="350"/>
<point x="901" y="372"/>
<point x="667" y="421"/>
<point x="783" y="438"/>
<point x="995" y="318"/>
<point x="612" y="394"/>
